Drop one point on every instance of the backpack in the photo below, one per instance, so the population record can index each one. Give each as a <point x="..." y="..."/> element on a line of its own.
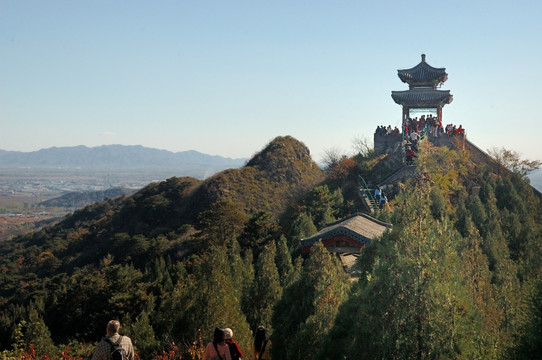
<point x="117" y="351"/>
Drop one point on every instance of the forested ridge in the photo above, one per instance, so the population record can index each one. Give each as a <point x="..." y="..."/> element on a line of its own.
<point x="457" y="276"/>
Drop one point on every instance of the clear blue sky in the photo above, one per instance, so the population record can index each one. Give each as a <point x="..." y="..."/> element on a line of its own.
<point x="226" y="77"/>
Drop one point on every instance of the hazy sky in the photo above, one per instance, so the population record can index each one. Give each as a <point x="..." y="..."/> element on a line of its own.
<point x="226" y="77"/>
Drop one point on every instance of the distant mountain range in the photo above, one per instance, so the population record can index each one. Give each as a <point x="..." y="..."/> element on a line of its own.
<point x="136" y="157"/>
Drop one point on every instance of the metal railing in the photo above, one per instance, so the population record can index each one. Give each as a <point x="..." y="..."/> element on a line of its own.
<point x="366" y="192"/>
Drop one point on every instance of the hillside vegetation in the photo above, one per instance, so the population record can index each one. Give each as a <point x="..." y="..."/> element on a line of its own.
<point x="458" y="275"/>
<point x="80" y="199"/>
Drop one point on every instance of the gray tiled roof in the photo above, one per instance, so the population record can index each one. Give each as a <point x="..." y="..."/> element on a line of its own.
<point x="360" y="227"/>
<point x="423" y="74"/>
<point x="422" y="97"/>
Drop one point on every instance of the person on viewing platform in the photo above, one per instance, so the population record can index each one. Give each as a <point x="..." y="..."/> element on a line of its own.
<point x="438" y="126"/>
<point x="414" y="137"/>
<point x="409" y="155"/>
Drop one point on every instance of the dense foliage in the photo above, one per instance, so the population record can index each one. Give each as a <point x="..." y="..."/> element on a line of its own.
<point x="458" y="275"/>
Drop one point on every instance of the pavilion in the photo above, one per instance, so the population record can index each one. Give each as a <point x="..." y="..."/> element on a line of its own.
<point x="422" y="80"/>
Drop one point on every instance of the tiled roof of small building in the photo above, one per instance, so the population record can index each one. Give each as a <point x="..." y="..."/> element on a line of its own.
<point x="423" y="74"/>
<point x="360" y="227"/>
<point x="422" y="97"/>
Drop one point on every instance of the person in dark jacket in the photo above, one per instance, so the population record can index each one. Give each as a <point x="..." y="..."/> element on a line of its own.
<point x="262" y="345"/>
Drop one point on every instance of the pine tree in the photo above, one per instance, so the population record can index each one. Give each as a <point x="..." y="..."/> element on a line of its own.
<point x="302" y="227"/>
<point x="242" y="274"/>
<point x="261" y="229"/>
<point x="477" y="277"/>
<point x="309" y="305"/>
<point x="38" y="335"/>
<point x="207" y="300"/>
<point x="266" y="290"/>
<point x="529" y="344"/>
<point x="321" y="206"/>
<point x="222" y="222"/>
<point x="411" y="303"/>
<point x="330" y="283"/>
<point x="284" y="262"/>
<point x="143" y="336"/>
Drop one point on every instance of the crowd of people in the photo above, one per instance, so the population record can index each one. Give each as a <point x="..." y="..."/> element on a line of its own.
<point x="223" y="347"/>
<point x="432" y="125"/>
<point x="451" y="130"/>
<point x="387" y="131"/>
<point x="413" y="129"/>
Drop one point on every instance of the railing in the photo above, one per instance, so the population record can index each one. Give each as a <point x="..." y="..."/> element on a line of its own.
<point x="366" y="192"/>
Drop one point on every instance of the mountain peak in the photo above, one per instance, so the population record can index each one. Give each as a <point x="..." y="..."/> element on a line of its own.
<point x="284" y="157"/>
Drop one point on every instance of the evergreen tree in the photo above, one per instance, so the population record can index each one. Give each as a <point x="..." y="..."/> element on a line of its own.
<point x="302" y="227"/>
<point x="207" y="300"/>
<point x="261" y="229"/>
<point x="242" y="274"/>
<point x="266" y="289"/>
<point x="38" y="335"/>
<point x="222" y="222"/>
<point x="284" y="262"/>
<point x="143" y="336"/>
<point x="529" y="344"/>
<point x="306" y="312"/>
<point x="321" y="205"/>
<point x="411" y="303"/>
<point x="477" y="277"/>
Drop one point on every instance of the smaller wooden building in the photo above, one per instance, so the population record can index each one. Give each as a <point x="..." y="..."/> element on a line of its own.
<point x="349" y="235"/>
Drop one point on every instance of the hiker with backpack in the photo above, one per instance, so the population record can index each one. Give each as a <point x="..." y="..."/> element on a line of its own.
<point x="114" y="346"/>
<point x="217" y="349"/>
<point x="262" y="344"/>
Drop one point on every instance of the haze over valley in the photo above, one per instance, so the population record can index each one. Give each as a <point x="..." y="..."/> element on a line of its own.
<point x="29" y="181"/>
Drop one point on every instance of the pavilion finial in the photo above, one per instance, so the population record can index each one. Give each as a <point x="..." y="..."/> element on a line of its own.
<point x="423" y="57"/>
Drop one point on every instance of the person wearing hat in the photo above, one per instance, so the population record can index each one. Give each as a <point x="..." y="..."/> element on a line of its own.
<point x="235" y="352"/>
<point x="217" y="349"/>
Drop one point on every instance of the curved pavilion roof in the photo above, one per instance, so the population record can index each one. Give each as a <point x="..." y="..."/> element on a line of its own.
<point x="360" y="227"/>
<point x="422" y="97"/>
<point x="423" y="74"/>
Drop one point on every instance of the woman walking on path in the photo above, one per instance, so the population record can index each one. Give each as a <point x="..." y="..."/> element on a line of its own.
<point x="217" y="349"/>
